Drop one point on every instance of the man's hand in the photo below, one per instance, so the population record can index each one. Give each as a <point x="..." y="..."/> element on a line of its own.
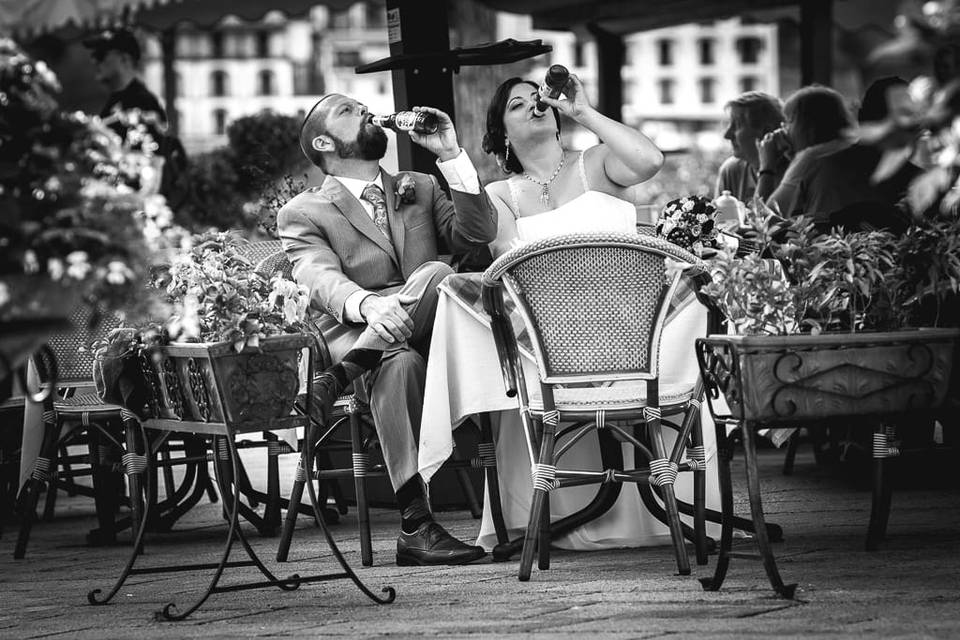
<point x="386" y="316"/>
<point x="444" y="142"/>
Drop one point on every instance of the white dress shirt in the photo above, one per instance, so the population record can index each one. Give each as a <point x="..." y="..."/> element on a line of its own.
<point x="459" y="173"/>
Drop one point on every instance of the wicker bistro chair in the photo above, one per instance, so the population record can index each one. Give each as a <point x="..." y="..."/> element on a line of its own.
<point x="76" y="410"/>
<point x="594" y="305"/>
<point x="351" y="410"/>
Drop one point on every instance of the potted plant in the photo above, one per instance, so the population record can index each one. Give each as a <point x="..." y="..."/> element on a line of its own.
<point x="823" y="324"/>
<point x="226" y="354"/>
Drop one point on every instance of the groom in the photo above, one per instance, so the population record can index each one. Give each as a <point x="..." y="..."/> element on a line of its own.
<point x="367" y="250"/>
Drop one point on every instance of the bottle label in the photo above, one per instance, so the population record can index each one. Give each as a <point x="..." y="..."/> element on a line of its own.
<point x="406" y="120"/>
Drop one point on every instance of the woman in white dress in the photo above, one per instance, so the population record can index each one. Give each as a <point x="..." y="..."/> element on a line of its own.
<point x="551" y="188"/>
<point x="551" y="191"/>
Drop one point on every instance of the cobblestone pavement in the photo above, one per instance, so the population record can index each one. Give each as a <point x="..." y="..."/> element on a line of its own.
<point x="909" y="588"/>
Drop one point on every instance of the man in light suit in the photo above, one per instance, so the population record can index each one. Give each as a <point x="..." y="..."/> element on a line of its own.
<point x="369" y="258"/>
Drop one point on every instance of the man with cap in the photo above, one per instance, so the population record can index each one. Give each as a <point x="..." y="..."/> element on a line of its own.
<point x="367" y="250"/>
<point x="117" y="54"/>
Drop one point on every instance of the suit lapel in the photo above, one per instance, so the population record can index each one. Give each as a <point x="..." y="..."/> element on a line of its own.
<point x="353" y="211"/>
<point x="395" y="217"/>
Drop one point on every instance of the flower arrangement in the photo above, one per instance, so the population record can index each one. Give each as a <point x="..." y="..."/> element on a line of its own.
<point x="218" y="295"/>
<point x="802" y="281"/>
<point x="78" y="217"/>
<point x="690" y="223"/>
<point x="405" y="190"/>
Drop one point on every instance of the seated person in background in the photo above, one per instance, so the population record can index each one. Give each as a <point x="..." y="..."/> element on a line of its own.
<point x="829" y="177"/>
<point x="554" y="190"/>
<point x="369" y="258"/>
<point x="752" y="115"/>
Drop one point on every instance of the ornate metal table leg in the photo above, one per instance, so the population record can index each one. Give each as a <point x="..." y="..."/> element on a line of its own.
<point x="724" y="456"/>
<point x="756" y="510"/>
<point x="139" y="526"/>
<point x="390" y="593"/>
<point x="226" y="461"/>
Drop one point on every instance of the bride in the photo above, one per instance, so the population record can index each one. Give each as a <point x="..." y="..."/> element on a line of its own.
<point x="553" y="190"/>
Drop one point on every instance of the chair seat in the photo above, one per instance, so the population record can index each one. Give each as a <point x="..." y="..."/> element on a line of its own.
<point x="618" y="396"/>
<point x="84" y="402"/>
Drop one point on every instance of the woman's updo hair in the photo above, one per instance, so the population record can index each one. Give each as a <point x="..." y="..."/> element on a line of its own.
<point x="494" y="140"/>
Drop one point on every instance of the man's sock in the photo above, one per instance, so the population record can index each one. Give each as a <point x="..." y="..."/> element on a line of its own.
<point x="413" y="505"/>
<point x="356" y="363"/>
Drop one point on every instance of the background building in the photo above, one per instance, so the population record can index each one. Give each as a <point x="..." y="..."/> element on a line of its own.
<point x="281" y="64"/>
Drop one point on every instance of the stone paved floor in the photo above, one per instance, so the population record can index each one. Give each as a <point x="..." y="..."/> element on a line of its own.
<point x="910" y="588"/>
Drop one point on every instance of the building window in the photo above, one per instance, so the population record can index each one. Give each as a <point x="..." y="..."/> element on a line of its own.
<point x="666" y="90"/>
<point x="665" y="52"/>
<point x="749" y="50"/>
<point x="219" y="83"/>
<point x="220" y="121"/>
<point x="376" y="15"/>
<point x="577" y="53"/>
<point x="349" y="58"/>
<point x="707" y="86"/>
<point x="263" y="44"/>
<point x="706" y="46"/>
<point x="748" y="83"/>
<point x="265" y="83"/>
<point x="340" y="19"/>
<point x="216" y="44"/>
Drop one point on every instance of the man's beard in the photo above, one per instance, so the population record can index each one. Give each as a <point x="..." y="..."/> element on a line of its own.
<point x="370" y="144"/>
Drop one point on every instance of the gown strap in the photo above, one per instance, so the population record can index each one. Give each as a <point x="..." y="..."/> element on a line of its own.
<point x="583" y="173"/>
<point x="514" y="196"/>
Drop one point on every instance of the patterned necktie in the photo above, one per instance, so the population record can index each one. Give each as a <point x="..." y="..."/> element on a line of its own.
<point x="374" y="195"/>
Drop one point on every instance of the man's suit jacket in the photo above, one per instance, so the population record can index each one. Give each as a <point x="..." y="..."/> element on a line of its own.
<point x="336" y="249"/>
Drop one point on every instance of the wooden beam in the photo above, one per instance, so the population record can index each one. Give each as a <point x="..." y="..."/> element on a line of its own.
<point x="816" y="42"/>
<point x="611" y="53"/>
<point x="419" y="26"/>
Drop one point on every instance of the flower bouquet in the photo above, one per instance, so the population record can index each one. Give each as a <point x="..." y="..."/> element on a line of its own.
<point x="690" y="223"/>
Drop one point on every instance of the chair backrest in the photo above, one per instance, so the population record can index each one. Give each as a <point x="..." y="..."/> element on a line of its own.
<point x="74" y="349"/>
<point x="593" y="303"/>
<point x="268" y="258"/>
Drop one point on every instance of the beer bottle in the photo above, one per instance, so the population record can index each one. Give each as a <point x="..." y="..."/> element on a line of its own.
<point x="553" y="84"/>
<point x="419" y="121"/>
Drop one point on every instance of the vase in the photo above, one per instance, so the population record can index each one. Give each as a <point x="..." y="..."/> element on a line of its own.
<point x="214" y="383"/>
<point x="786" y="379"/>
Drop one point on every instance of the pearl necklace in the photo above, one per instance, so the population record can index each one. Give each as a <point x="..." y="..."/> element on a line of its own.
<point x="545" y="185"/>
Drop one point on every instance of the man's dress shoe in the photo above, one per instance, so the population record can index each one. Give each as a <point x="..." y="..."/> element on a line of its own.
<point x="431" y="544"/>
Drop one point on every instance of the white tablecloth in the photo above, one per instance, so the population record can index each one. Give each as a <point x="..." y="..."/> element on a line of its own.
<point x="463" y="378"/>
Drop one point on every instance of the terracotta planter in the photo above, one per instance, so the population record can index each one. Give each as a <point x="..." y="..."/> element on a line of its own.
<point x="788" y="379"/>
<point x="213" y="383"/>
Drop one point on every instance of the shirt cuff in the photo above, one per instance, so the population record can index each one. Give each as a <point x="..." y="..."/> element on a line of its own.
<point x="351" y="307"/>
<point x="460" y="173"/>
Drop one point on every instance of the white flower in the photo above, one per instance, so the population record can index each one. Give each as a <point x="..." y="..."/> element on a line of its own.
<point x="118" y="272"/>
<point x="78" y="267"/>
<point x="701" y="217"/>
<point x="55" y="268"/>
<point x="30" y="262"/>
<point x="687" y="205"/>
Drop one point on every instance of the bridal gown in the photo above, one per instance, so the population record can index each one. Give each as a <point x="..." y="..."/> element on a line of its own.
<point x="627" y="523"/>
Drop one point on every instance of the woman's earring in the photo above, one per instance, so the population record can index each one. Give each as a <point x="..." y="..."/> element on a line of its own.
<point x="506" y="156"/>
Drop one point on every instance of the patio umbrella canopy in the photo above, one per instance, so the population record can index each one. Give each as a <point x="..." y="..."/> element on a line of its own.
<point x="28" y="18"/>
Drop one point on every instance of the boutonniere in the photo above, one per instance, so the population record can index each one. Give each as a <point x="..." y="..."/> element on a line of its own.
<point x="406" y="190"/>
